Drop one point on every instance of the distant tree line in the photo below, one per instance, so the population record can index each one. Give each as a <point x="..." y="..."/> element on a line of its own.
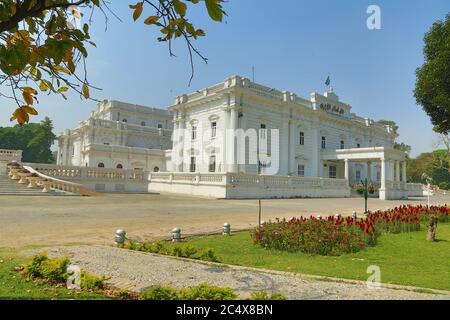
<point x="434" y="164"/>
<point x="34" y="139"/>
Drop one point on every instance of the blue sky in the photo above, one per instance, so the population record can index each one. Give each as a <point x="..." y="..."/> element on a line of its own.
<point x="293" y="44"/>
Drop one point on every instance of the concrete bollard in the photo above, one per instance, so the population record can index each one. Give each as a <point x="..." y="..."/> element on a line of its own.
<point x="176" y="235"/>
<point x="226" y="229"/>
<point x="120" y="237"/>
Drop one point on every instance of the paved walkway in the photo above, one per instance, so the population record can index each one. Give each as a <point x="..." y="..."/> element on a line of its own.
<point x="93" y="220"/>
<point x="137" y="270"/>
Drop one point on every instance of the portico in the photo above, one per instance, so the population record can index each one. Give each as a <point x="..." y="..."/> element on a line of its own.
<point x="392" y="183"/>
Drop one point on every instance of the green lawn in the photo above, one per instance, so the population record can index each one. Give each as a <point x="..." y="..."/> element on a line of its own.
<point x="406" y="259"/>
<point x="14" y="286"/>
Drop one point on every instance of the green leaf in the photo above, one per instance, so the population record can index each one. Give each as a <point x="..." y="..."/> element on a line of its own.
<point x="180" y="7"/>
<point x="214" y="9"/>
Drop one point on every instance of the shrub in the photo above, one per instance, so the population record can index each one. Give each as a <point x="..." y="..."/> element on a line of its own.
<point x="177" y="250"/>
<point x="33" y="267"/>
<point x="40" y="266"/>
<point x="206" y="291"/>
<point x="55" y="269"/>
<point x="263" y="295"/>
<point x="445" y="185"/>
<point x="312" y="236"/>
<point x="208" y="255"/>
<point x="336" y="234"/>
<point x="122" y="293"/>
<point x="360" y="189"/>
<point x="92" y="282"/>
<point x="159" y="293"/>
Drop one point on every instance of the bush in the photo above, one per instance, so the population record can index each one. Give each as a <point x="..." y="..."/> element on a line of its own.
<point x="445" y="185"/>
<point x="92" y="282"/>
<point x="312" y="236"/>
<point x="33" y="268"/>
<point x="122" y="293"/>
<point x="206" y="291"/>
<point x="208" y="255"/>
<point x="159" y="293"/>
<point x="203" y="291"/>
<point x="176" y="250"/>
<point x="360" y="189"/>
<point x="41" y="266"/>
<point x="263" y="295"/>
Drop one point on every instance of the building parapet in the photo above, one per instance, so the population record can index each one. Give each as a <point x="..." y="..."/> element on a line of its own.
<point x="10" y="155"/>
<point x="238" y="185"/>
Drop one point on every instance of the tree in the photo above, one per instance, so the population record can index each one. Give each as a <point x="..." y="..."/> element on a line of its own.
<point x="43" y="49"/>
<point x="35" y="139"/>
<point x="390" y="123"/>
<point x="403" y="147"/>
<point x="398" y="146"/>
<point x="434" y="164"/>
<point x="432" y="90"/>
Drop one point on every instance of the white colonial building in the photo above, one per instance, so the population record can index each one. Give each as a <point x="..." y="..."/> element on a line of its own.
<point x="118" y="135"/>
<point x="239" y="139"/>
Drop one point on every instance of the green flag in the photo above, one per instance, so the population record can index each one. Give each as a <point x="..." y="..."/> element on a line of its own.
<point x="328" y="81"/>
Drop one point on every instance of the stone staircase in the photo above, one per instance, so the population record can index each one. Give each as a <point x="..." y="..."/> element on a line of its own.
<point x="13" y="188"/>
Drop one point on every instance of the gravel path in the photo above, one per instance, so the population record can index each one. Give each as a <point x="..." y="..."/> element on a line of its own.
<point x="138" y="270"/>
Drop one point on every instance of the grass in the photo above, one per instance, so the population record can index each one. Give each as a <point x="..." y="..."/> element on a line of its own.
<point x="15" y="286"/>
<point x="405" y="259"/>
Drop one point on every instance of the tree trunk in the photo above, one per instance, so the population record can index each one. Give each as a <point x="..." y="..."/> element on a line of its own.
<point x="432" y="225"/>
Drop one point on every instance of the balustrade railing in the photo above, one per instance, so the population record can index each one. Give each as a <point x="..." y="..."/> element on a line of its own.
<point x="246" y="179"/>
<point x="57" y="184"/>
<point x="10" y="155"/>
<point x="89" y="173"/>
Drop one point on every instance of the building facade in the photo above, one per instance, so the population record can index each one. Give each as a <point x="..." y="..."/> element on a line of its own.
<point x="118" y="135"/>
<point x="308" y="131"/>
<point x="240" y="139"/>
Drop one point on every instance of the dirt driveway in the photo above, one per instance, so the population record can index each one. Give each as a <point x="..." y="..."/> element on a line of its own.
<point x="43" y="220"/>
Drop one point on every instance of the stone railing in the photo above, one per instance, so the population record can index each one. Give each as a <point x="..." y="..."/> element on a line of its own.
<point x="90" y="173"/>
<point x="239" y="179"/>
<point x="57" y="184"/>
<point x="246" y="186"/>
<point x="10" y="155"/>
<point x="415" y="186"/>
<point x="127" y="126"/>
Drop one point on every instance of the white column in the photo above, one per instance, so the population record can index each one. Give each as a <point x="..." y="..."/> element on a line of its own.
<point x="284" y="147"/>
<point x="175" y="147"/>
<point x="292" y="147"/>
<point x="404" y="173"/>
<point x="224" y="164"/>
<point x="347" y="171"/>
<point x="397" y="170"/>
<point x="390" y="171"/>
<point x="181" y="139"/>
<point x="383" y="174"/>
<point x="315" y="150"/>
<point x="232" y="144"/>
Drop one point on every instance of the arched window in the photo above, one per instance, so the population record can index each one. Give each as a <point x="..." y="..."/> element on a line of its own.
<point x="156" y="169"/>
<point x="143" y="123"/>
<point x="101" y="165"/>
<point x="119" y="166"/>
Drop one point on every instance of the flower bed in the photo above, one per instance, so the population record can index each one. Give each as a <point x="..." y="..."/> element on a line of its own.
<point x="336" y="235"/>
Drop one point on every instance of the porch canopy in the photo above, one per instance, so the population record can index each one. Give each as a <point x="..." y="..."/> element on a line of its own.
<point x="391" y="184"/>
